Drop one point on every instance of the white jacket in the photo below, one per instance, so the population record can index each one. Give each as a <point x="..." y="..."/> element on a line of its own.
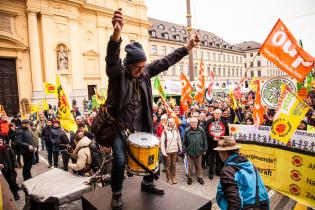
<point x="83" y="154"/>
<point x="170" y="141"/>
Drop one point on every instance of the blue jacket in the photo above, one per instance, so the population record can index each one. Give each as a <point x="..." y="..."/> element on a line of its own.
<point x="182" y="127"/>
<point x="237" y="186"/>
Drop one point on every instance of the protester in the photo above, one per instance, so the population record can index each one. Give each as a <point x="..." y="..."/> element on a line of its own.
<point x="8" y="166"/>
<point x="195" y="144"/>
<point x="46" y="135"/>
<point x="82" y="154"/>
<point x="35" y="137"/>
<point x="4" y="128"/>
<point x="238" y="180"/>
<point x="162" y="125"/>
<point x="25" y="140"/>
<point x="41" y="123"/>
<point x="65" y="142"/>
<point x="55" y="141"/>
<point x="16" y="121"/>
<point x="171" y="145"/>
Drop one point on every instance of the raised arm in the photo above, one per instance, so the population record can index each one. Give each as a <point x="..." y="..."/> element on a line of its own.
<point x="113" y="61"/>
<point x="163" y="64"/>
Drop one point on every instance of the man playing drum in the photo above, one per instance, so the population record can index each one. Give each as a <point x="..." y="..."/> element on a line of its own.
<point x="130" y="97"/>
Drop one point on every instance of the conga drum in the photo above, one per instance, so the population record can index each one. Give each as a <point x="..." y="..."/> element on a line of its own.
<point x="145" y="148"/>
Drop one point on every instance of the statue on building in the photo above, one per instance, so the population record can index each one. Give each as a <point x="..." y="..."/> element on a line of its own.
<point x="62" y="59"/>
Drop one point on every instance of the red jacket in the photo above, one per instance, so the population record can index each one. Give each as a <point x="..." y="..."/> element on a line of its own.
<point x="4" y="127"/>
<point x="159" y="130"/>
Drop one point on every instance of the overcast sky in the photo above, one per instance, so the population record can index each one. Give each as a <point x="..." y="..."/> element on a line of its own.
<point x="242" y="20"/>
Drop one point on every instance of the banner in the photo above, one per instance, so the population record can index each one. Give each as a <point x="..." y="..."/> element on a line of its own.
<point x="170" y="112"/>
<point x="50" y="88"/>
<point x="291" y="111"/>
<point x="286" y="168"/>
<point x="200" y="86"/>
<point x="259" y="111"/>
<point x="271" y="88"/>
<point x="283" y="50"/>
<point x="64" y="109"/>
<point x="186" y="91"/>
<point x="158" y="87"/>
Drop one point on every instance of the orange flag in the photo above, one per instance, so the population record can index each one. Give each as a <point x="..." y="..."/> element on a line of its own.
<point x="200" y="87"/>
<point x="170" y="112"/>
<point x="283" y="50"/>
<point x="186" y="90"/>
<point x="258" y="112"/>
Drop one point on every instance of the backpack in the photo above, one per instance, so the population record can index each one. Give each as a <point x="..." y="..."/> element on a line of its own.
<point x="96" y="156"/>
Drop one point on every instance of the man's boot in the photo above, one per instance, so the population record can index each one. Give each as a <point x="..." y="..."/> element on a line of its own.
<point x="116" y="201"/>
<point x="151" y="188"/>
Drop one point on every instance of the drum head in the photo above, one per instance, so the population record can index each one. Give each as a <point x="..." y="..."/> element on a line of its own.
<point x="143" y="139"/>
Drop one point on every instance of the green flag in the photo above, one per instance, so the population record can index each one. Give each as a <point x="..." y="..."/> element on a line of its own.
<point x="158" y="87"/>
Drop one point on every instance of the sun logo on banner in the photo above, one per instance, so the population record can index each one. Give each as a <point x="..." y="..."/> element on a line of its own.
<point x="297" y="161"/>
<point x="294" y="189"/>
<point x="296" y="175"/>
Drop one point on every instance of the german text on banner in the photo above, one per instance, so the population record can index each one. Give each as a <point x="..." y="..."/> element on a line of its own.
<point x="49" y="88"/>
<point x="289" y="115"/>
<point x="286" y="168"/>
<point x="283" y="50"/>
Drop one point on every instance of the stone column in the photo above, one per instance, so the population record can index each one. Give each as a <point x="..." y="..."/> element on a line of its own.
<point x="35" y="57"/>
<point x="49" y="65"/>
<point x="102" y="44"/>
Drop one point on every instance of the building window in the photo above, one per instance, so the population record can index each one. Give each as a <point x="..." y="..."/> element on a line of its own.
<point x="219" y="57"/>
<point x="237" y="72"/>
<point x="245" y="64"/>
<point x="232" y="58"/>
<point x="219" y="72"/>
<point x="223" y="58"/>
<point x="241" y="59"/>
<point x="258" y="54"/>
<point x="213" y="57"/>
<point x="207" y="56"/>
<point x="258" y="73"/>
<point x="223" y="72"/>
<point x="251" y="64"/>
<point x="163" y="50"/>
<point x="154" y="49"/>
<point x="244" y="55"/>
<point x="165" y="35"/>
<point x="214" y="71"/>
<point x="228" y="58"/>
<point x="258" y="63"/>
<point x="174" y="70"/>
<point x="252" y="74"/>
<point x="241" y="72"/>
<point x="201" y="54"/>
<point x="233" y="72"/>
<point x="195" y="70"/>
<point x="251" y="54"/>
<point x="229" y="72"/>
<point x="236" y="57"/>
<point x="208" y="70"/>
<point x="153" y="33"/>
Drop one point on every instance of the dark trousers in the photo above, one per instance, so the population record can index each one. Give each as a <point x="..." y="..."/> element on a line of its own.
<point x="49" y="153"/>
<point x="65" y="159"/>
<point x="11" y="179"/>
<point x="215" y="162"/>
<point x="118" y="167"/>
<point x="27" y="165"/>
<point x="55" y="155"/>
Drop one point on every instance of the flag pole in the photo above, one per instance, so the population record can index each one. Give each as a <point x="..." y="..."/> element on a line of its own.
<point x="189" y="29"/>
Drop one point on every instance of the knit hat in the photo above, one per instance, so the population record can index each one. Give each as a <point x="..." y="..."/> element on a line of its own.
<point x="227" y="143"/>
<point x="135" y="53"/>
<point x="25" y="121"/>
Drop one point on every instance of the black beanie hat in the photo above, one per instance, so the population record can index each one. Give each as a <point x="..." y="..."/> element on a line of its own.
<point x="135" y="53"/>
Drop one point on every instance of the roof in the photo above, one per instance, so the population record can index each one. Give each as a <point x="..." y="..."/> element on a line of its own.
<point x="178" y="33"/>
<point x="248" y="45"/>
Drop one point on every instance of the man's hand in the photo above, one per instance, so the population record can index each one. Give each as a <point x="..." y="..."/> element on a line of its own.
<point x="194" y="41"/>
<point x="31" y="148"/>
<point x="1" y="166"/>
<point x="118" y="23"/>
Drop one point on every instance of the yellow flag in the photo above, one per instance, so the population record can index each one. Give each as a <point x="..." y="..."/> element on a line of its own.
<point x="290" y="113"/>
<point x="99" y="98"/>
<point x="310" y="128"/>
<point x="45" y="104"/>
<point x="49" y="88"/>
<point x="34" y="108"/>
<point x="232" y="101"/>
<point x="64" y="109"/>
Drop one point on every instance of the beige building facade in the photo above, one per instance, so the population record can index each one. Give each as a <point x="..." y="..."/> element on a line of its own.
<point x="42" y="38"/>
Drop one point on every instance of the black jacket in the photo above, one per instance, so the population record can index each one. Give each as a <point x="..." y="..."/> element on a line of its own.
<point x="46" y="134"/>
<point x="55" y="134"/>
<point x="24" y="139"/>
<point x="120" y="81"/>
<point x="7" y="158"/>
